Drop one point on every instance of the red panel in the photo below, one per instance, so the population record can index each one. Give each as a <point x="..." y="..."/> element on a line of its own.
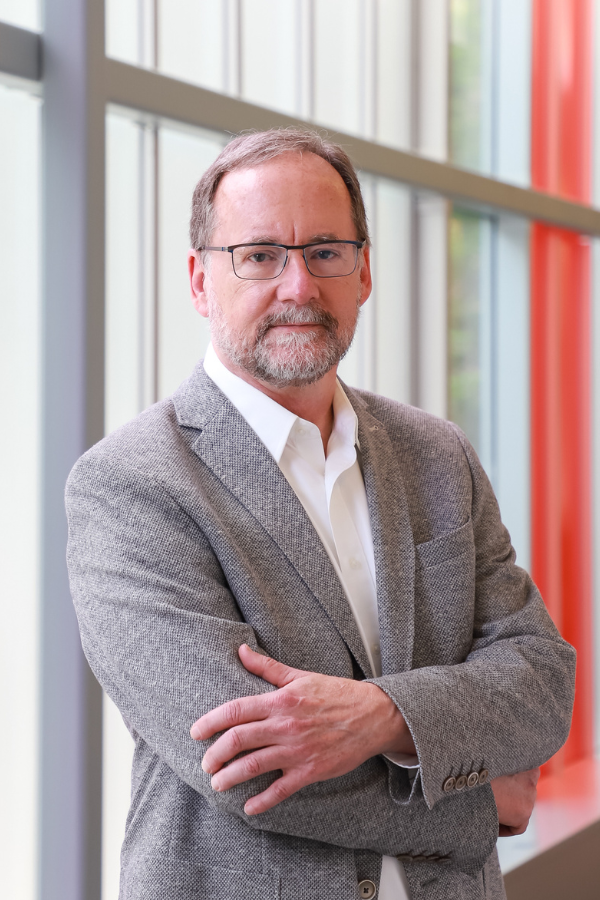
<point x="560" y="342"/>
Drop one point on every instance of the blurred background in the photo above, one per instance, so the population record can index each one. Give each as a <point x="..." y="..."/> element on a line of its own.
<point x="476" y="128"/>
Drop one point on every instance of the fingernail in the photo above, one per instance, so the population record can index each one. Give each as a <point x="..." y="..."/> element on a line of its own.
<point x="248" y="808"/>
<point x="195" y="732"/>
<point x="215" y="784"/>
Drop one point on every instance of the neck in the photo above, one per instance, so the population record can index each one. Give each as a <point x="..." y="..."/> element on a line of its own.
<point x="312" y="402"/>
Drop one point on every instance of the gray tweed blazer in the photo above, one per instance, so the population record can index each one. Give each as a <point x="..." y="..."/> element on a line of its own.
<point x="185" y="540"/>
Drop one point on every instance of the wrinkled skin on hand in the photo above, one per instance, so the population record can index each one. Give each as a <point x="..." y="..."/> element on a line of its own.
<point x="314" y="727"/>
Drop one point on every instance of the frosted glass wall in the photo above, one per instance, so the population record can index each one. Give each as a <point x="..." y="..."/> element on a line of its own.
<point x="20" y="323"/>
<point x="346" y="64"/>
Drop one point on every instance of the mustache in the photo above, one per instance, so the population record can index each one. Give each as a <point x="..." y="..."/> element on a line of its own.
<point x="299" y="315"/>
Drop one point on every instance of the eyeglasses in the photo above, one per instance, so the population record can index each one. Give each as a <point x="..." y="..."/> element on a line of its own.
<point x="260" y="262"/>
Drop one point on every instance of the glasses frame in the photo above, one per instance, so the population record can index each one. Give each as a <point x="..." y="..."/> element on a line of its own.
<point x="287" y="247"/>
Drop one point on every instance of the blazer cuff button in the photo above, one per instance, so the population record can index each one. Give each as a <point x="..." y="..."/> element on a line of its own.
<point x="461" y="782"/>
<point x="449" y="785"/>
<point x="473" y="779"/>
<point x="483" y="776"/>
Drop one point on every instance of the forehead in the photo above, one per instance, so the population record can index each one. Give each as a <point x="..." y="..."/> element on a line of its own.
<point x="299" y="193"/>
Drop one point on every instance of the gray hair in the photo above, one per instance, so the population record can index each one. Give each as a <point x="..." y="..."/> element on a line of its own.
<point x="252" y="149"/>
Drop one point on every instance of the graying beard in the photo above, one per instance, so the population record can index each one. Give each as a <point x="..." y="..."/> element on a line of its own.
<point x="316" y="361"/>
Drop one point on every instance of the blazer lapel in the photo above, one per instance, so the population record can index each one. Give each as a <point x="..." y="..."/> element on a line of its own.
<point x="234" y="453"/>
<point x="392" y="539"/>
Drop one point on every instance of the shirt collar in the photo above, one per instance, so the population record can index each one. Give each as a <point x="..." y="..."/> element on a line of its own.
<point x="271" y="421"/>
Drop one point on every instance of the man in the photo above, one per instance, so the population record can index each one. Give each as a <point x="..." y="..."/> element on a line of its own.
<point x="301" y="596"/>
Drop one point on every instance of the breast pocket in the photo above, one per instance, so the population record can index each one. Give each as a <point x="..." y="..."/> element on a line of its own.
<point x="444" y="598"/>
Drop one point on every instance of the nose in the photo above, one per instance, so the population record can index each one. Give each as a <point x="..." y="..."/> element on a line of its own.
<point x="295" y="282"/>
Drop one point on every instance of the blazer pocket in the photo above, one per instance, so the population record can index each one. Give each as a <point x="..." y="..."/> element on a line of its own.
<point x="446" y="546"/>
<point x="159" y="878"/>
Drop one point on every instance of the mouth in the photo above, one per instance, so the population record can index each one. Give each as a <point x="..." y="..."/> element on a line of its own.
<point x="301" y="326"/>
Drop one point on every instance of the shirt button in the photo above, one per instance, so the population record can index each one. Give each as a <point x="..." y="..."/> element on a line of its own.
<point x="366" y="889"/>
<point x="354" y="562"/>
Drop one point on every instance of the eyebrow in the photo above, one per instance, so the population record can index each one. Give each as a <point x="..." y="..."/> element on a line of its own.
<point x="314" y="239"/>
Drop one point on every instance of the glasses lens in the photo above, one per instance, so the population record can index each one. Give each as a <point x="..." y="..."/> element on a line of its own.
<point x="258" y="261"/>
<point x="331" y="260"/>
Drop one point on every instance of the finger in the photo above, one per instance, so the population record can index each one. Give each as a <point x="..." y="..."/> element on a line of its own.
<point x="269" y="669"/>
<point x="239" y="740"/>
<point x="267" y="759"/>
<point x="280" y="790"/>
<point x="235" y="712"/>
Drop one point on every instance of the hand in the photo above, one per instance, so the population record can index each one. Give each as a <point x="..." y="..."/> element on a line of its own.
<point x="515" y="799"/>
<point x="313" y="728"/>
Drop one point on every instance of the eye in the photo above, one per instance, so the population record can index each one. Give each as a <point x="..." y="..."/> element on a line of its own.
<point x="260" y="257"/>
<point x="324" y="254"/>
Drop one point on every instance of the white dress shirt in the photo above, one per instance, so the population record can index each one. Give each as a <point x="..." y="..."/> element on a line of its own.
<point x="332" y="491"/>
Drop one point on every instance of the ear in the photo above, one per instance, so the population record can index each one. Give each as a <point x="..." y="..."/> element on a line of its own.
<point x="366" y="281"/>
<point x="197" y="273"/>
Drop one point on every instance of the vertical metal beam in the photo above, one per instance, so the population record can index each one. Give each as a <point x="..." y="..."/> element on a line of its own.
<point x="73" y="417"/>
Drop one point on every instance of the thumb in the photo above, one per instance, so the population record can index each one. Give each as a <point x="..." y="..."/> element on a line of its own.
<point x="269" y="669"/>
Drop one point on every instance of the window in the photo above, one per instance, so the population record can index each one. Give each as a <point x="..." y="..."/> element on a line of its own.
<point x="484" y="306"/>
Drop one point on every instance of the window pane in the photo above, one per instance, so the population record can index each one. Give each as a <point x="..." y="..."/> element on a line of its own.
<point x="183" y="334"/>
<point x="511" y="472"/>
<point x="394" y="70"/>
<point x="123" y="388"/>
<point x="123" y="31"/>
<point x="24" y="13"/>
<point x="380" y="358"/>
<point x="511" y="156"/>
<point x="469" y="357"/>
<point x="489" y="357"/>
<point x="470" y="108"/>
<point x="392" y="290"/>
<point x="269" y="53"/>
<point x="194" y="41"/>
<point x="338" y="87"/>
<point x="20" y="322"/>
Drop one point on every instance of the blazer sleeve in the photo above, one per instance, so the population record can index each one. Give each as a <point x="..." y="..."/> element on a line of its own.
<point x="507" y="707"/>
<point x="161" y="629"/>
